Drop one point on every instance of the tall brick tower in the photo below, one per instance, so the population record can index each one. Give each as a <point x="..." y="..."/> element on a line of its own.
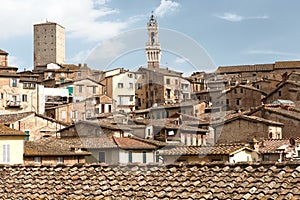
<point x="49" y="44"/>
<point x="153" y="51"/>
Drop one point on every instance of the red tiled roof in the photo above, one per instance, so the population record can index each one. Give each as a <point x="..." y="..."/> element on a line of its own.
<point x="131" y="143"/>
<point x="222" y="149"/>
<point x="272" y="145"/>
<point x="6" y="131"/>
<point x="267" y="180"/>
<point x="52" y="146"/>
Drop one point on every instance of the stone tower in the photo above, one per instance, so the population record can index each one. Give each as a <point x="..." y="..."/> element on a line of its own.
<point x="49" y="44"/>
<point x="153" y="51"/>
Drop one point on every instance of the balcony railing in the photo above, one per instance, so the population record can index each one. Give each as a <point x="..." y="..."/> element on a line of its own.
<point x="13" y="104"/>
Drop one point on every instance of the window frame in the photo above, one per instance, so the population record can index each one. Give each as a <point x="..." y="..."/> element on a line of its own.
<point x="130" y="156"/>
<point x="103" y="154"/>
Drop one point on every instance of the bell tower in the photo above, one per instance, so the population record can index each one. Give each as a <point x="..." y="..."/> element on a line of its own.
<point x="153" y="51"/>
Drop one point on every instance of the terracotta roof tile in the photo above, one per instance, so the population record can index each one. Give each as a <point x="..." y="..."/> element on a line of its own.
<point x="52" y="146"/>
<point x="272" y="145"/>
<point x="131" y="143"/>
<point x="203" y="150"/>
<point x="11" y="118"/>
<point x="192" y="181"/>
<point x="6" y="131"/>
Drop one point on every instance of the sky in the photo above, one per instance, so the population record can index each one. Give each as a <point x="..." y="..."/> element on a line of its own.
<point x="195" y="35"/>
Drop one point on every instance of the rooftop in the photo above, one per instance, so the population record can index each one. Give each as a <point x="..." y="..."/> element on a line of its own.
<point x="221" y="149"/>
<point x="52" y="146"/>
<point x="131" y="143"/>
<point x="266" y="180"/>
<point x="6" y="131"/>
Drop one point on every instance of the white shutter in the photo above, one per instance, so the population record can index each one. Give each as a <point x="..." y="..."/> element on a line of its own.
<point x="8" y="153"/>
<point x="4" y="153"/>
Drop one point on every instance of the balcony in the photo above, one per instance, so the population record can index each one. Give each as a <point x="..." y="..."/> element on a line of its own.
<point x="13" y="104"/>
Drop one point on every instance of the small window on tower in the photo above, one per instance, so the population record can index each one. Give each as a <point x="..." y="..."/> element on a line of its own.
<point x="152" y="37"/>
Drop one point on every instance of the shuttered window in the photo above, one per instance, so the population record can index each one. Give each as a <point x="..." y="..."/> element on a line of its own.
<point x="5" y="153"/>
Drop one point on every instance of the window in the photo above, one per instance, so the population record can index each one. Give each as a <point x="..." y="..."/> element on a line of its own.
<point x="238" y="102"/>
<point x="157" y="115"/>
<point x="24" y="97"/>
<point x="130" y="156"/>
<point x="120" y="85"/>
<point x="89" y="114"/>
<point x="80" y="88"/>
<point x="130" y="75"/>
<point x="227" y="101"/>
<point x="176" y="82"/>
<point x="14" y="82"/>
<point x="102" y="157"/>
<point x="144" y="156"/>
<point x="235" y="91"/>
<point x="130" y="85"/>
<point x="279" y="93"/>
<point x="131" y="98"/>
<point x="83" y="116"/>
<point x="94" y="90"/>
<point x="60" y="160"/>
<point x="1" y="96"/>
<point x="27" y="135"/>
<point x="63" y="114"/>
<point x="138" y="86"/>
<point x="74" y="114"/>
<point x="28" y="85"/>
<point x="271" y="135"/>
<point x="149" y="132"/>
<point x="62" y="80"/>
<point x="266" y="158"/>
<point x="242" y="90"/>
<point x="5" y="153"/>
<point x="37" y="160"/>
<point x="168" y="81"/>
<point x="79" y="74"/>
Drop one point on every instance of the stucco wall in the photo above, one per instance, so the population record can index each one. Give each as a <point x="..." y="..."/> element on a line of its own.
<point x="16" y="149"/>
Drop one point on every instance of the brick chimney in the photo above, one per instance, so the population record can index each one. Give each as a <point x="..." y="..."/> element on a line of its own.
<point x="3" y="58"/>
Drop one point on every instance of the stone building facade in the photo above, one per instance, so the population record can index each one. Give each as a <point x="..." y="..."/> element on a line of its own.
<point x="49" y="43"/>
<point x="244" y="128"/>
<point x="241" y="97"/>
<point x="18" y="94"/>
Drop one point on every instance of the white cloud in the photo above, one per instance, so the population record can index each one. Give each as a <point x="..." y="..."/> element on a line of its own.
<point x="232" y="17"/>
<point x="14" y="61"/>
<point x="181" y="60"/>
<point x="166" y="6"/>
<point x="81" y="18"/>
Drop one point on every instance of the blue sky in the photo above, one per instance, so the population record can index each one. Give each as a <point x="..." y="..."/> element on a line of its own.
<point x="228" y="32"/>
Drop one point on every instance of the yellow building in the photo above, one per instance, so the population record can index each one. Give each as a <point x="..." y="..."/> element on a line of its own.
<point x="11" y="145"/>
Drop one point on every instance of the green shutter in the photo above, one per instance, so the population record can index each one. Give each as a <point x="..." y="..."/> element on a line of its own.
<point x="27" y="133"/>
<point x="70" y="89"/>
